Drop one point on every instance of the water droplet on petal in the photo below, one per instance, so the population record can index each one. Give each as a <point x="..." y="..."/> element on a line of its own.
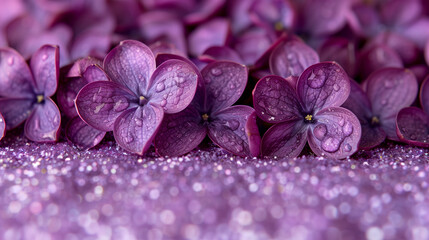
<point x="180" y="80"/>
<point x="233" y="124"/>
<point x="348" y="129"/>
<point x="341" y="122"/>
<point x="347" y="147"/>
<point x="239" y="148"/>
<point x="129" y="139"/>
<point x="160" y="87"/>
<point x="138" y="122"/>
<point x="331" y="144"/>
<point x="317" y="80"/>
<point x="383" y="102"/>
<point x="163" y="103"/>
<point x="44" y="57"/>
<point x="216" y="71"/>
<point x="10" y="61"/>
<point x="336" y="87"/>
<point x="320" y="131"/>
<point x="120" y="105"/>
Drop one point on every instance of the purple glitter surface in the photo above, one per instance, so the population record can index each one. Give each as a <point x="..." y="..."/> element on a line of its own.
<point x="55" y="191"/>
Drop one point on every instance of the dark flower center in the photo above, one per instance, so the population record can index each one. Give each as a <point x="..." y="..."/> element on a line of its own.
<point x="40" y="98"/>
<point x="375" y="121"/>
<point x="205" y="117"/>
<point x="142" y="100"/>
<point x="309" y="119"/>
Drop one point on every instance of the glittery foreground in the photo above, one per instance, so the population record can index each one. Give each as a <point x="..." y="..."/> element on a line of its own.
<point x="54" y="191"/>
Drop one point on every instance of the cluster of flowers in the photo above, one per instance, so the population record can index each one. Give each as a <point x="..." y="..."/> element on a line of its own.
<point x="201" y="58"/>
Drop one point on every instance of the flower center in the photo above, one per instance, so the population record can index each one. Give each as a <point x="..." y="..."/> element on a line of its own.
<point x="205" y="117"/>
<point x="40" y="98"/>
<point x="375" y="121"/>
<point x="309" y="118"/>
<point x="142" y="100"/>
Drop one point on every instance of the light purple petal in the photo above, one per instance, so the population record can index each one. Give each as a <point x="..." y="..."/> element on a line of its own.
<point x="173" y="85"/>
<point x="15" y="110"/>
<point x="224" y="83"/>
<point x="412" y="126"/>
<point x="80" y="65"/>
<point x="91" y="44"/>
<point x="83" y="135"/>
<point x="44" y="123"/>
<point x="399" y="12"/>
<point x="130" y="64"/>
<point x="212" y="33"/>
<point x="2" y="126"/>
<point x="424" y="95"/>
<point x="135" y="129"/>
<point x="364" y="20"/>
<point x="204" y="10"/>
<point x="15" y="76"/>
<point x="45" y="68"/>
<point x="163" y="47"/>
<point x="100" y="103"/>
<point x="180" y="133"/>
<point x="291" y="58"/>
<point x="418" y="31"/>
<point x="228" y="130"/>
<point x="323" y="85"/>
<point x="376" y="57"/>
<point x="275" y="100"/>
<point x="286" y="139"/>
<point x="336" y="133"/>
<point x="94" y="73"/>
<point x="275" y="14"/>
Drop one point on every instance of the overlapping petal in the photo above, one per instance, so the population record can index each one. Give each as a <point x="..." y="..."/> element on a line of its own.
<point x="412" y="126"/>
<point x="212" y="33"/>
<point x="2" y="126"/>
<point x="15" y="110"/>
<point x="44" y="122"/>
<point x="82" y="134"/>
<point x="424" y="95"/>
<point x="45" y="67"/>
<point x="66" y="94"/>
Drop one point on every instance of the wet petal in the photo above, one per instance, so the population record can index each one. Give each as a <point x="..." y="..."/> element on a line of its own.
<point x="224" y="83"/>
<point x="94" y="73"/>
<point x="130" y="64"/>
<point x="81" y="65"/>
<point x="424" y="95"/>
<point x="2" y="126"/>
<point x="100" y="103"/>
<point x="212" y="33"/>
<point x="323" y="85"/>
<point x="180" y="133"/>
<point x="412" y="126"/>
<point x="83" y="135"/>
<point x="229" y="130"/>
<point x="135" y="129"/>
<point x="15" y="110"/>
<point x="275" y="100"/>
<point x="44" y="123"/>
<point x="372" y="135"/>
<point x="45" y="67"/>
<point x="336" y="133"/>
<point x="291" y="58"/>
<point x="173" y="85"/>
<point x="286" y="139"/>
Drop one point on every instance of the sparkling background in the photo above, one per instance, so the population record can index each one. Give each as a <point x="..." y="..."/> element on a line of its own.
<point x="55" y="191"/>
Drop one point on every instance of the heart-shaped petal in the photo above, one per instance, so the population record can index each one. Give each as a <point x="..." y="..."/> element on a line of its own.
<point x="100" y="103"/>
<point x="45" y="67"/>
<point x="180" y="133"/>
<point x="83" y="135"/>
<point x="2" y="126"/>
<point x="15" y="110"/>
<point x="336" y="133"/>
<point x="275" y="100"/>
<point x="130" y="64"/>
<point x="135" y="129"/>
<point x="412" y="126"/>
<point x="44" y="123"/>
<point x="424" y="95"/>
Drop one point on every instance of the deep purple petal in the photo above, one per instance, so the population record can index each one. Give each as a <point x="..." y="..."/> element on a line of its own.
<point x="81" y="65"/>
<point x="420" y="71"/>
<point x="44" y="122"/>
<point x="254" y="44"/>
<point x="399" y="12"/>
<point x="180" y="133"/>
<point x="83" y="135"/>
<point x="323" y="85"/>
<point x="426" y="52"/>
<point x="173" y="85"/>
<point x="275" y="100"/>
<point x="286" y="139"/>
<point x="45" y="68"/>
<point x="100" y="103"/>
<point x="204" y="9"/>
<point x="91" y="44"/>
<point x="94" y="73"/>
<point x="412" y="126"/>
<point x="341" y="50"/>
<point x="291" y="58"/>
<point x="221" y="53"/>
<point x="253" y="135"/>
<point x="228" y="130"/>
<point x="336" y="133"/>
<point x="212" y="33"/>
<point x="2" y="126"/>
<point x="15" y="110"/>
<point x="15" y="76"/>
<point x="224" y="83"/>
<point x="406" y="49"/>
<point x="376" y="57"/>
<point x="66" y="94"/>
<point x="324" y="17"/>
<point x="364" y="20"/>
<point x="424" y="95"/>
<point x="163" y="47"/>
<point x="135" y="129"/>
<point x="130" y="64"/>
<point x="372" y="135"/>
<point x="275" y="14"/>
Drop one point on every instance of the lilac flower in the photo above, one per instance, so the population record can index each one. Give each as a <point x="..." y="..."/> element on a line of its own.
<point x="387" y="91"/>
<point x="412" y="123"/>
<point x="310" y="112"/>
<point x="213" y="33"/>
<point x="133" y="103"/>
<point x="375" y="57"/>
<point x="25" y="94"/>
<point x="230" y="127"/>
<point x="342" y="51"/>
<point x="82" y="72"/>
<point x="2" y="126"/>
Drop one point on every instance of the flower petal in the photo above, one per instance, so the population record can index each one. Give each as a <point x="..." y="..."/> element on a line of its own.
<point x="94" y="73"/>
<point x="286" y="139"/>
<point x="66" y="94"/>
<point x="45" y="67"/>
<point x="173" y="85"/>
<point x="15" y="110"/>
<point x="412" y="126"/>
<point x="83" y="135"/>
<point x="135" y="129"/>
<point x="81" y="65"/>
<point x="180" y="133"/>
<point x="324" y="17"/>
<point x="15" y="77"/>
<point x="221" y="53"/>
<point x="275" y="100"/>
<point x="323" y="85"/>
<point x="291" y="58"/>
<point x="130" y="64"/>
<point x="44" y="122"/>
<point x="376" y="57"/>
<point x="224" y="83"/>
<point x="336" y="133"/>
<point x="100" y="103"/>
<point x="212" y="33"/>
<point x="424" y="95"/>
<point x="229" y="131"/>
<point x="2" y="126"/>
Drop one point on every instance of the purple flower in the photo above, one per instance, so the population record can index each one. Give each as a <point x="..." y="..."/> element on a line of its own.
<point x="230" y="127"/>
<point x="387" y="91"/>
<point x="412" y="123"/>
<point x="375" y="57"/>
<point x="213" y="33"/>
<point x="133" y="103"/>
<point x="82" y="72"/>
<point x="310" y="112"/>
<point x="25" y="94"/>
<point x="340" y="50"/>
<point x="2" y="126"/>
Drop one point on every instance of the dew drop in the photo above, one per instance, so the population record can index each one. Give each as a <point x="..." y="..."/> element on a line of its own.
<point x="138" y="122"/>
<point x="10" y="61"/>
<point x="179" y="91"/>
<point x="233" y="124"/>
<point x="169" y="69"/>
<point x="216" y="71"/>
<point x="383" y="102"/>
<point x="341" y="122"/>
<point x="347" y="147"/>
<point x="163" y="103"/>
<point x="320" y="131"/>
<point x="180" y="80"/>
<point x="120" y="105"/>
<point x="388" y="83"/>
<point x="44" y="57"/>
<point x="231" y="85"/>
<point x="336" y="87"/>
<point x="129" y="139"/>
<point x="348" y="129"/>
<point x="238" y="148"/>
<point x="330" y="144"/>
<point x="317" y="80"/>
<point x="160" y="87"/>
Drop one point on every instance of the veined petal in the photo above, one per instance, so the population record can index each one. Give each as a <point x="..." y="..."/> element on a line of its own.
<point x="83" y="135"/>
<point x="15" y="110"/>
<point x="43" y="124"/>
<point x="412" y="126"/>
<point x="94" y="73"/>
<point x="66" y="94"/>
<point x="135" y="128"/>
<point x="100" y="103"/>
<point x="180" y="133"/>
<point x="130" y="64"/>
<point x="81" y="65"/>
<point x="45" y="66"/>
